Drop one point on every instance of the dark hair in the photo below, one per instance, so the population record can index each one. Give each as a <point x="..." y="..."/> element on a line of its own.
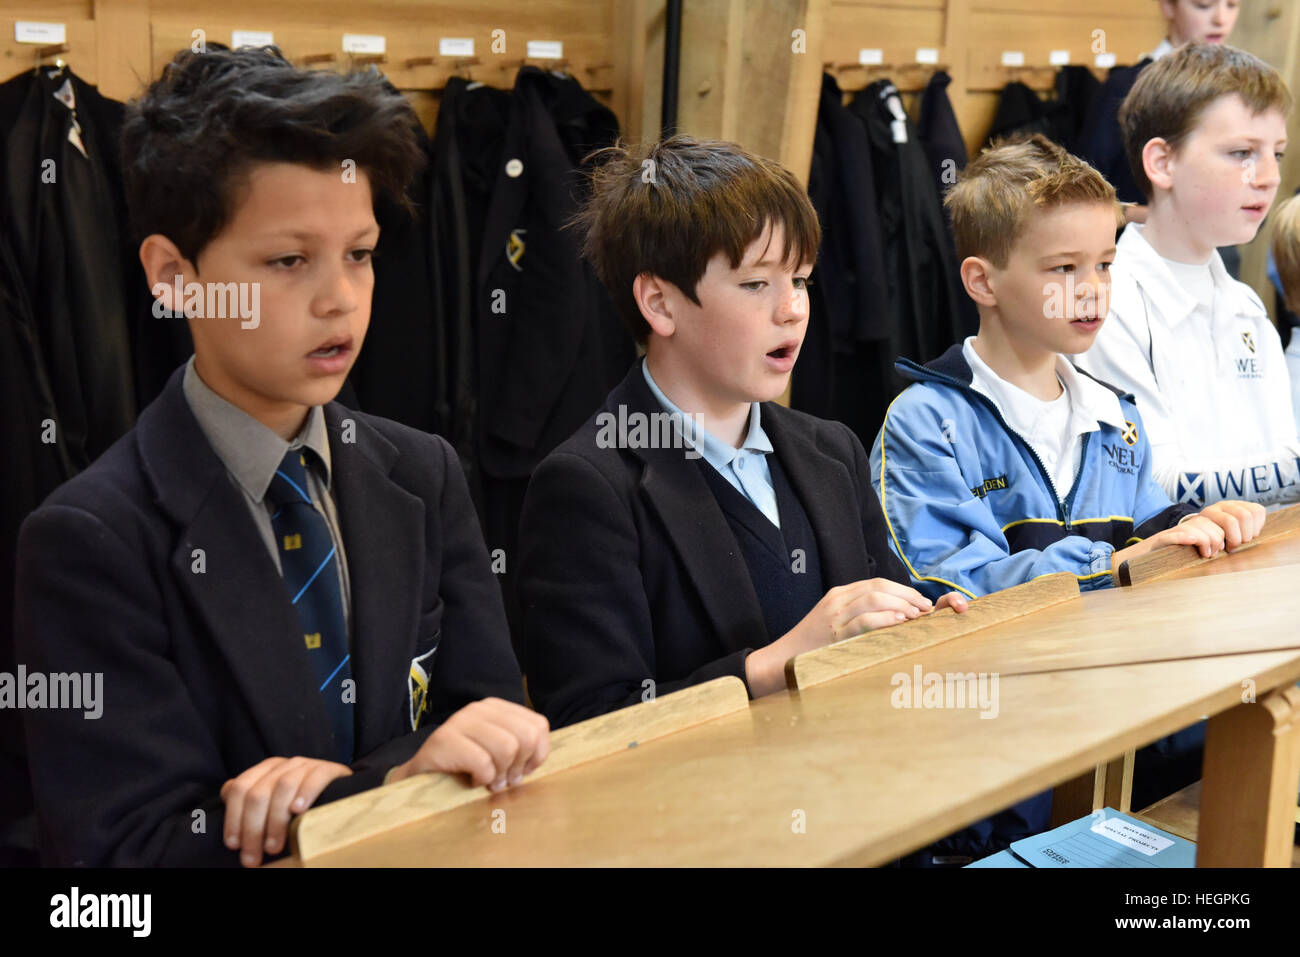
<point x="667" y="208"/>
<point x="1171" y="94"/>
<point x="190" y="139"/>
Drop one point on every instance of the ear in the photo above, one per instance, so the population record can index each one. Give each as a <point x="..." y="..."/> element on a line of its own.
<point x="975" y="277"/>
<point x="656" y="298"/>
<point x="1169" y="10"/>
<point x="162" y="263"/>
<point x="1158" y="163"/>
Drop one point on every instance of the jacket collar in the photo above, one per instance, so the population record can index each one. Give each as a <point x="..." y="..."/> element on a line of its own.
<point x="678" y="493"/>
<point x="240" y="597"/>
<point x="1097" y="399"/>
<point x="1137" y="260"/>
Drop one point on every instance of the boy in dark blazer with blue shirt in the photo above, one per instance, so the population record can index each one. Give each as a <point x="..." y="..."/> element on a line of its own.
<point x="693" y="528"/>
<point x="288" y="601"/>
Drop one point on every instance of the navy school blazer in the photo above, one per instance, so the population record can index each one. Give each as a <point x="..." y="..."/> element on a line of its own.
<point x="204" y="674"/>
<point x="629" y="571"/>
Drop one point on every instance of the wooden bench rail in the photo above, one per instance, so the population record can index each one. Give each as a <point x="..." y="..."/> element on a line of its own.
<point x="1172" y="558"/>
<point x="863" y="651"/>
<point x="340" y="823"/>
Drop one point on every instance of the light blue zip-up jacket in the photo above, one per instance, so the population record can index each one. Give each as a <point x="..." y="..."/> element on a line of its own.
<point x="970" y="506"/>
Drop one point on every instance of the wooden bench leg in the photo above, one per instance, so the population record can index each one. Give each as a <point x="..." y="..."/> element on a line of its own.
<point x="1248" y="791"/>
<point x="1107" y="785"/>
<point x="1117" y="790"/>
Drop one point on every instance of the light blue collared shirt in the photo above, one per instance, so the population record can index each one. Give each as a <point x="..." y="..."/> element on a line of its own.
<point x="745" y="468"/>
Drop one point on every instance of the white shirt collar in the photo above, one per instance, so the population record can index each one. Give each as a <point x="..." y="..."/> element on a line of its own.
<point x="1091" y="402"/>
<point x="716" y="452"/>
<point x="1165" y="48"/>
<point x="1137" y="259"/>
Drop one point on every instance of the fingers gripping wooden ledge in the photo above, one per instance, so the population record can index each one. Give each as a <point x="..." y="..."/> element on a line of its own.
<point x="863" y="651"/>
<point x="1172" y="558"/>
<point x="340" y="823"/>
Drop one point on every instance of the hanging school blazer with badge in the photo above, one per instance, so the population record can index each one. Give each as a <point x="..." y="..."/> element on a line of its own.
<point x="630" y="574"/>
<point x="148" y="568"/>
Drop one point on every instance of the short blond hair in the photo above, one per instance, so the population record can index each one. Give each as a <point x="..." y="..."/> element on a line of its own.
<point x="997" y="191"/>
<point x="1170" y="95"/>
<point x="1286" y="250"/>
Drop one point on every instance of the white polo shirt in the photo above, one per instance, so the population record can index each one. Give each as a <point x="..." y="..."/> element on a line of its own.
<point x="1209" y="377"/>
<point x="1055" y="429"/>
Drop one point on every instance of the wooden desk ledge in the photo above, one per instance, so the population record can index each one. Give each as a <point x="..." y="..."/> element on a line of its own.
<point x="1174" y="558"/>
<point x="346" y="821"/>
<point x="863" y="651"/>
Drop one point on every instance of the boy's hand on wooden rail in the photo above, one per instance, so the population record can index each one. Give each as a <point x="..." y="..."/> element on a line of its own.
<point x="843" y="612"/>
<point x="1241" y="522"/>
<point x="495" y="742"/>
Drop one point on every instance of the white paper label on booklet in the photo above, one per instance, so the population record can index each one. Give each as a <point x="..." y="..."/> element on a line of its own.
<point x="871" y="57"/>
<point x="545" y="49"/>
<point x="33" y="31"/>
<point x="1013" y="57"/>
<point x="1131" y="836"/>
<point x="363" y="43"/>
<point x="927" y="55"/>
<point x="251" y="38"/>
<point x="455" y="46"/>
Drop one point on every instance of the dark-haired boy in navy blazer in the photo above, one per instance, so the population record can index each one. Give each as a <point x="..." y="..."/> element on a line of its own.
<point x="693" y="528"/>
<point x="288" y="601"/>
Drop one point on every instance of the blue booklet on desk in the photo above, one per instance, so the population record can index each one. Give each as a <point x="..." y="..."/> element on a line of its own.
<point x="1106" y="838"/>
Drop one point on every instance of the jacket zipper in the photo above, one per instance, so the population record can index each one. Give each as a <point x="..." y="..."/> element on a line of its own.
<point x="1062" y="513"/>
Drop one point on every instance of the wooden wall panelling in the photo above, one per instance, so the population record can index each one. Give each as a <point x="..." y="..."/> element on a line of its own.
<point x="122" y="35"/>
<point x="746" y="77"/>
<point x="81" y="55"/>
<point x="1128" y="30"/>
<point x="412" y="32"/>
<point x="629" y="47"/>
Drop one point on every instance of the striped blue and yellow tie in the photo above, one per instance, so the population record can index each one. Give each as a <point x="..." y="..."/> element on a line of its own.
<point x="307" y="561"/>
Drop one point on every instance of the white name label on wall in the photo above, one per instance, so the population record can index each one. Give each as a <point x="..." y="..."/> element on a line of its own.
<point x="545" y="49"/>
<point x="1059" y="58"/>
<point x="251" y="38"/>
<point x="1013" y="57"/>
<point x="1105" y="60"/>
<point x="363" y="43"/>
<point x="456" y="46"/>
<point x="31" y="31"/>
<point x="927" y="55"/>
<point x="871" y="57"/>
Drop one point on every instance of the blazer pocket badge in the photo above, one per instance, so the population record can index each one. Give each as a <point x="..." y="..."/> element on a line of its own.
<point x="417" y="683"/>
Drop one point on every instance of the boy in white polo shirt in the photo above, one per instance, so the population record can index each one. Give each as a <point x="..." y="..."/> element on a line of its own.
<point x="1204" y="128"/>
